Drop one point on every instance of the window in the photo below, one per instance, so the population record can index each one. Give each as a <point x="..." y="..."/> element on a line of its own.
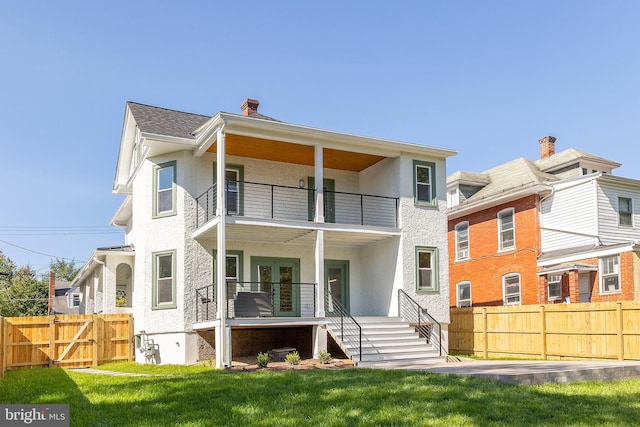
<point x="164" y="281"/>
<point x="233" y="188"/>
<point x="76" y="300"/>
<point x="554" y="282"/>
<point x="423" y="177"/>
<point x="233" y="271"/>
<point x="610" y="275"/>
<point x="506" y="229"/>
<point x="426" y="266"/>
<point x="452" y="198"/>
<point x="511" y="283"/>
<point x="625" y="211"/>
<point x="462" y="241"/>
<point x="463" y="294"/>
<point x="165" y="191"/>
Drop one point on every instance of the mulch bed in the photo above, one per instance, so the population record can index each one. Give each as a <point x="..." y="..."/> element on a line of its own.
<point x="248" y="364"/>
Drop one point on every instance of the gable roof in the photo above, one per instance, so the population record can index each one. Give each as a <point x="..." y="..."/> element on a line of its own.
<point x="163" y="121"/>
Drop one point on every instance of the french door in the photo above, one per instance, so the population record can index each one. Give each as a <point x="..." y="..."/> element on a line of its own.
<point x="281" y="277"/>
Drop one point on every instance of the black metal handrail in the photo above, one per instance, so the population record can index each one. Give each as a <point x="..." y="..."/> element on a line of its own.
<point x="206" y="303"/>
<point x="334" y="308"/>
<point x="418" y="317"/>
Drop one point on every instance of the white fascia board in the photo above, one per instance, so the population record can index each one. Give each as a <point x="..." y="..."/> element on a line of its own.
<point x="206" y="134"/>
<point x="493" y="201"/>
<point x="125" y="149"/>
<point x="595" y="253"/>
<point x="87" y="268"/>
<point x="123" y="213"/>
<point x="312" y="136"/>
<point x="614" y="179"/>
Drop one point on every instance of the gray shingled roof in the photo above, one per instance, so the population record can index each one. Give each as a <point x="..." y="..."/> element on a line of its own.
<point x="469" y="178"/>
<point x="162" y="121"/>
<point x="509" y="177"/>
<point x="569" y="156"/>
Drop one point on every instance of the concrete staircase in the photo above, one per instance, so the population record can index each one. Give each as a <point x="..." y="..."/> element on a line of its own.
<point x="387" y="342"/>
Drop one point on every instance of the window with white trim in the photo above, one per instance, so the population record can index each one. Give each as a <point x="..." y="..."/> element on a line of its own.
<point x="426" y="268"/>
<point x="424" y="182"/>
<point x="511" y="286"/>
<point x="463" y="294"/>
<point x="506" y="229"/>
<point x="75" y="300"/>
<point x="164" y="189"/>
<point x="462" y="240"/>
<point x="610" y="275"/>
<point x="164" y="282"/>
<point x="554" y="283"/>
<point x="625" y="211"/>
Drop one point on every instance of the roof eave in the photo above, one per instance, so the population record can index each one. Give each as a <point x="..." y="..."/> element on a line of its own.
<point x="463" y="210"/>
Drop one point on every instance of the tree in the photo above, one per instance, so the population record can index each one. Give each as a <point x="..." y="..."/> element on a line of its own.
<point x="65" y="270"/>
<point x="21" y="293"/>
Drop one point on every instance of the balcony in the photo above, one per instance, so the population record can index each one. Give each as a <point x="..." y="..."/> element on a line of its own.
<point x="259" y="300"/>
<point x="268" y="201"/>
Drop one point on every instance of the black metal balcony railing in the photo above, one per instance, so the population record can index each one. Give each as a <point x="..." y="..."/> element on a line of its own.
<point x="256" y="200"/>
<point x="259" y="299"/>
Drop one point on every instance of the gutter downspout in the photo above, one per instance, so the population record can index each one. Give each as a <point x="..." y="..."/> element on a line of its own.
<point x="222" y="331"/>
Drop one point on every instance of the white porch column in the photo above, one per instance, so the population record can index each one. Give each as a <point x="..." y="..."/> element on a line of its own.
<point x="223" y="334"/>
<point x="319" y="181"/>
<point x="319" y="217"/>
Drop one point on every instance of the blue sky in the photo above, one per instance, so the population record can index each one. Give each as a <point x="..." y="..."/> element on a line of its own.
<point x="486" y="78"/>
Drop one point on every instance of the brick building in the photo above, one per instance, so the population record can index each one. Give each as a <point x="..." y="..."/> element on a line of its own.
<point x="559" y="229"/>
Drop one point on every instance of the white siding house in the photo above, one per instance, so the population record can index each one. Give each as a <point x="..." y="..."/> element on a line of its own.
<point x="310" y="225"/>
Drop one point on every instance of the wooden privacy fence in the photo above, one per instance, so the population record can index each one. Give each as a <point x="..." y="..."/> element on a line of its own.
<point x="68" y="341"/>
<point x="608" y="330"/>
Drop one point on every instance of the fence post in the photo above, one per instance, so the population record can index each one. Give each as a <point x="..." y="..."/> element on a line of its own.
<point x="620" y="331"/>
<point x="94" y="337"/>
<point x="3" y="348"/>
<point x="485" y="350"/>
<point x="132" y="346"/>
<point x="543" y="331"/>
<point x="52" y="340"/>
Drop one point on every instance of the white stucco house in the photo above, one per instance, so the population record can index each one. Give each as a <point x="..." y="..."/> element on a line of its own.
<point x="328" y="240"/>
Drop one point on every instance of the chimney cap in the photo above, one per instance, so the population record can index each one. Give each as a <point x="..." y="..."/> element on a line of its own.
<point x="249" y="106"/>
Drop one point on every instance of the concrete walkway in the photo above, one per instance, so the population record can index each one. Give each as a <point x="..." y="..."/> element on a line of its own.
<point x="115" y="373"/>
<point x="529" y="372"/>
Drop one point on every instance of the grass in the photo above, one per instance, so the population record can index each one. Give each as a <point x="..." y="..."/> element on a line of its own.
<point x="199" y="396"/>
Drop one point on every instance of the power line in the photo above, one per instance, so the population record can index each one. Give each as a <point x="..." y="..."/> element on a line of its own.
<point x="40" y="253"/>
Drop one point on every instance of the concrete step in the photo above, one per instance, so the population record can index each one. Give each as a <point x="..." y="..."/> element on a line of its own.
<point x="408" y="363"/>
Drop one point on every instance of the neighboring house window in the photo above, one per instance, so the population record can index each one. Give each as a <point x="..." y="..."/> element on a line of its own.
<point x="555" y="286"/>
<point x="462" y="241"/>
<point x="75" y="300"/>
<point x="610" y="275"/>
<point x="164" y="280"/>
<point x="625" y="211"/>
<point x="463" y="294"/>
<point x="426" y="266"/>
<point x="165" y="189"/>
<point x="506" y="229"/>
<point x="511" y="284"/>
<point x="424" y="182"/>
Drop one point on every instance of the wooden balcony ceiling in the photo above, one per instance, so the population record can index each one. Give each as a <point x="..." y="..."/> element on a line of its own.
<point x="266" y="149"/>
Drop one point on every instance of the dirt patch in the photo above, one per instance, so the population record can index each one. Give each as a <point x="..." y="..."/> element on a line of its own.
<point x="249" y="364"/>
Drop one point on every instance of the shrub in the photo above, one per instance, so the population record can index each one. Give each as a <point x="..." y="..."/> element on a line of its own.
<point x="262" y="360"/>
<point x="292" y="358"/>
<point x="324" y="357"/>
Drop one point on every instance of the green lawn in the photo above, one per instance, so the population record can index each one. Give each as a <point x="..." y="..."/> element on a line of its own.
<point x="198" y="396"/>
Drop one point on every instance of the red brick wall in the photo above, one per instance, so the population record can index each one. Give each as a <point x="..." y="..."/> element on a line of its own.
<point x="486" y="266"/>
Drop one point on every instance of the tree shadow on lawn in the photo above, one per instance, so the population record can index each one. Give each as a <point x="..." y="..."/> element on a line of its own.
<point x="322" y="397"/>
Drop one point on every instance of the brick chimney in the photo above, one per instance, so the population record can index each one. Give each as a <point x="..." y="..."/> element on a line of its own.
<point x="547" y="146"/>
<point x="249" y="107"/>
